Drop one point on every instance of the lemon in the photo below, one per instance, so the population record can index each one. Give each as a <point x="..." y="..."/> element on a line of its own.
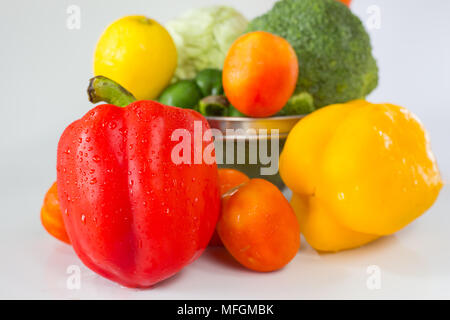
<point x="139" y="54"/>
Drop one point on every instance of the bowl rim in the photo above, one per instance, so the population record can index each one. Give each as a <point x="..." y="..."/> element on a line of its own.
<point x="249" y="119"/>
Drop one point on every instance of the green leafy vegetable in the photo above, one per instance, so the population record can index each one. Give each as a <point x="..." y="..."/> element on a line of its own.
<point x="300" y="103"/>
<point x="203" y="37"/>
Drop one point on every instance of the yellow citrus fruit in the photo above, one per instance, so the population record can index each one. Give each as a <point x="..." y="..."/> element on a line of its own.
<point x="358" y="171"/>
<point x="139" y="54"/>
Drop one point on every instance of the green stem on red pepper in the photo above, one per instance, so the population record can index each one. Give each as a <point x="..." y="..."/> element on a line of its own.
<point x="102" y="89"/>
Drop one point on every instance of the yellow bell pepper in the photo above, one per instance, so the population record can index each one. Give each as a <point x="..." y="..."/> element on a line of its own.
<point x="358" y="171"/>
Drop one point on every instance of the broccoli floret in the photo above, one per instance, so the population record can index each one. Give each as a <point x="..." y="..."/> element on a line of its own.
<point x="333" y="48"/>
<point x="300" y="103"/>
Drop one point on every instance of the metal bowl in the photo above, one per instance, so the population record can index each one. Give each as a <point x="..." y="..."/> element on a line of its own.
<point x="235" y="133"/>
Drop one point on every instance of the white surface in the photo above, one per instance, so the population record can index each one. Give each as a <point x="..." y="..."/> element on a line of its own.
<point x="44" y="69"/>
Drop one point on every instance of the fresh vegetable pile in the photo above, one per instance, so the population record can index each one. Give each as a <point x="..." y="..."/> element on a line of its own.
<point x="138" y="192"/>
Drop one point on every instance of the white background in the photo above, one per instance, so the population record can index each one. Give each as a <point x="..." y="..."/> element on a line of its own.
<point x="44" y="71"/>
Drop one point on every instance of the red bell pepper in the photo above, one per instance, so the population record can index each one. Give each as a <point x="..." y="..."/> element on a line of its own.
<point x="131" y="213"/>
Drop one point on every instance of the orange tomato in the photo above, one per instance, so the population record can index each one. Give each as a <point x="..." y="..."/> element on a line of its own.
<point x="51" y="216"/>
<point x="346" y="2"/>
<point x="260" y="73"/>
<point x="258" y="226"/>
<point x="228" y="179"/>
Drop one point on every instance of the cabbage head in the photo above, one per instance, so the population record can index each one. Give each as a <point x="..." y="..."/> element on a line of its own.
<point x="203" y="37"/>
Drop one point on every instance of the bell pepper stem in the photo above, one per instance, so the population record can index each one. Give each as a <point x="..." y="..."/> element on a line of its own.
<point x="213" y="106"/>
<point x="103" y="89"/>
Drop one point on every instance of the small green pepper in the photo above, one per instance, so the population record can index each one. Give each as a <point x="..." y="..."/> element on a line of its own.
<point x="210" y="82"/>
<point x="182" y="94"/>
